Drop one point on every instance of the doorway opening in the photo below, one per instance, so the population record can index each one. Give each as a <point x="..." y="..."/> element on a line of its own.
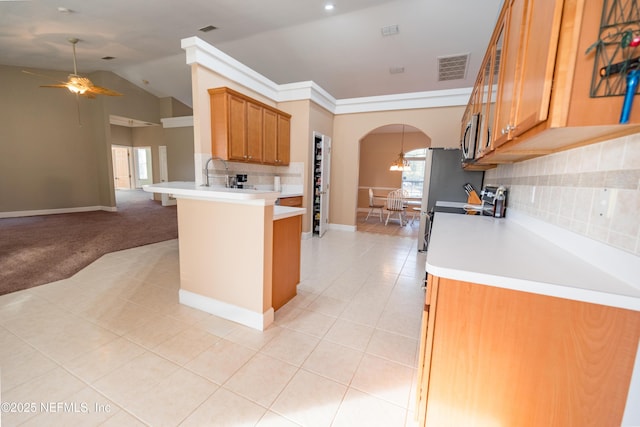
<point x="378" y="151"/>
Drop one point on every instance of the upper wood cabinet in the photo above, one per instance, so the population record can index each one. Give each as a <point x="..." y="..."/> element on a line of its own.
<point x="277" y="131"/>
<point x="541" y="96"/>
<point x="246" y="130"/>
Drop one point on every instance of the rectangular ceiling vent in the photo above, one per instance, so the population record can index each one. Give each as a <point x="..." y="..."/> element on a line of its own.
<point x="208" y="28"/>
<point x="390" y="30"/>
<point x="453" y="67"/>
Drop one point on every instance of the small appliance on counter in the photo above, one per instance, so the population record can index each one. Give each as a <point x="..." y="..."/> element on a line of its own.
<point x="241" y="178"/>
<point x="494" y="200"/>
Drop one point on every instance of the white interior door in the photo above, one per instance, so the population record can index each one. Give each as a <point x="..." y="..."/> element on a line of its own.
<point x="121" y="167"/>
<point x="326" y="184"/>
<point x="143" y="166"/>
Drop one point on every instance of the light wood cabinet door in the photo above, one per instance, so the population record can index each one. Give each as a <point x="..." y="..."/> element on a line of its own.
<point x="237" y="128"/>
<point x="270" y="136"/>
<point x="503" y="357"/>
<point x="254" y="132"/>
<point x="533" y="91"/>
<point x="509" y="44"/>
<point x="246" y="130"/>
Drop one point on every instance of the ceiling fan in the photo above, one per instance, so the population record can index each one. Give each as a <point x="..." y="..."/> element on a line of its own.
<point x="80" y="85"/>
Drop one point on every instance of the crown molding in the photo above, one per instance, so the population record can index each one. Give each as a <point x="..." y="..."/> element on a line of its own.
<point x="202" y="53"/>
<point x="404" y="101"/>
<point x="177" y="122"/>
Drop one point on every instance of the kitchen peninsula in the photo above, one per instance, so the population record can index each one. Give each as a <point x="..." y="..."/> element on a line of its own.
<point x="227" y="253"/>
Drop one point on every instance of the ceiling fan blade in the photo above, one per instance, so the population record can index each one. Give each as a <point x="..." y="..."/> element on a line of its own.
<point x="104" y="91"/>
<point x="64" y="86"/>
<point x="43" y="76"/>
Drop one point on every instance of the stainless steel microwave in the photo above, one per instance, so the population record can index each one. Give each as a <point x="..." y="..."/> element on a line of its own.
<point x="470" y="138"/>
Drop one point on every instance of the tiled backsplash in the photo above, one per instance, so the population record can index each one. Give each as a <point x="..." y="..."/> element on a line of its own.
<point x="592" y="190"/>
<point x="260" y="175"/>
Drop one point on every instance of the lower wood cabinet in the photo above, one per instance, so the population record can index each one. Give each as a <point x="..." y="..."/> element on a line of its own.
<point x="497" y="357"/>
<point x="286" y="259"/>
<point x="294" y="202"/>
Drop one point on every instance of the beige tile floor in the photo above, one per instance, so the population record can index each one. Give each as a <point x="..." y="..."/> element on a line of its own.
<point x="112" y="346"/>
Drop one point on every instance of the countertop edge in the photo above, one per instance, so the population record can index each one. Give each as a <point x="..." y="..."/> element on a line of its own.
<point x="282" y="212"/>
<point x="187" y="189"/>
<point x="459" y="256"/>
<point x="540" y="288"/>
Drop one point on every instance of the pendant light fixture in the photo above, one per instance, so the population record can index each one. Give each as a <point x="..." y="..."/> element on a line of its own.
<point x="400" y="164"/>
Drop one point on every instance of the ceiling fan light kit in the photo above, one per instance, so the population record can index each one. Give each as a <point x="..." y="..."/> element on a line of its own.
<point x="81" y="85"/>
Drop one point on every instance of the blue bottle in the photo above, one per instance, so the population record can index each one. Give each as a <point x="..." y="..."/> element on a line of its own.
<point x="632" y="83"/>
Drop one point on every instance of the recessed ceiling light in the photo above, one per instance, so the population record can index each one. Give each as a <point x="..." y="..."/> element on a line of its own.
<point x="64" y="10"/>
<point x="329" y="6"/>
<point x="208" y="28"/>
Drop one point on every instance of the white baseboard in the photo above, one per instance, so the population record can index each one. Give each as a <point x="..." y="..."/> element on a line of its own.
<point x="343" y="227"/>
<point x="18" y="214"/>
<point x="241" y="315"/>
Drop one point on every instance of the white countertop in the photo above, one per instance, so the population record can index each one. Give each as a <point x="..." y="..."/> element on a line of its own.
<point x="189" y="189"/>
<point x="282" y="212"/>
<point x="503" y="253"/>
<point x="236" y="195"/>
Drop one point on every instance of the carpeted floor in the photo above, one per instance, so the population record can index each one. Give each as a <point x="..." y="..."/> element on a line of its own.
<point x="42" y="249"/>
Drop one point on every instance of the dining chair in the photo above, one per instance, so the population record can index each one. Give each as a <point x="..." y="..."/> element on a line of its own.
<point x="373" y="206"/>
<point x="395" y="205"/>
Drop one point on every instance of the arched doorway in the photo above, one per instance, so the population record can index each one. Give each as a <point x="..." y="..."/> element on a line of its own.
<point x="378" y="150"/>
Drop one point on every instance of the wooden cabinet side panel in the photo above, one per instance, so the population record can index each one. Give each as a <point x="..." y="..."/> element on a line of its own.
<point x="219" y="128"/>
<point x="286" y="259"/>
<point x="270" y="137"/>
<point x="502" y="357"/>
<point x="584" y="110"/>
<point x="426" y="348"/>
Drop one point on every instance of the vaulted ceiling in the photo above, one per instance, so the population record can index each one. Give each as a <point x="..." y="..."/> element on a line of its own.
<point x="344" y="50"/>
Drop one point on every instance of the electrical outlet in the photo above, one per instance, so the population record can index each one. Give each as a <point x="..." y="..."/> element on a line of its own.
<point x="606" y="202"/>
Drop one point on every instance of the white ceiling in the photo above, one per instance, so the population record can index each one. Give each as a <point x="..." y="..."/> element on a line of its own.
<point x="287" y="41"/>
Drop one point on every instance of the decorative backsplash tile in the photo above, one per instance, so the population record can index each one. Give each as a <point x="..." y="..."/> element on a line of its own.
<point x="592" y="190"/>
<point x="261" y="175"/>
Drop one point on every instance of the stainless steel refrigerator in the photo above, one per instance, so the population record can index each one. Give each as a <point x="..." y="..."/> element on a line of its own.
<point x="444" y="180"/>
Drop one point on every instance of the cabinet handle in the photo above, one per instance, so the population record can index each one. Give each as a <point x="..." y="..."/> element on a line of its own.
<point x="508" y="129"/>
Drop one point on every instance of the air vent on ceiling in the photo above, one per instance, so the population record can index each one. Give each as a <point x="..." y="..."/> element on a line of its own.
<point x="453" y="67"/>
<point x="396" y="70"/>
<point x="208" y="28"/>
<point x="390" y="30"/>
